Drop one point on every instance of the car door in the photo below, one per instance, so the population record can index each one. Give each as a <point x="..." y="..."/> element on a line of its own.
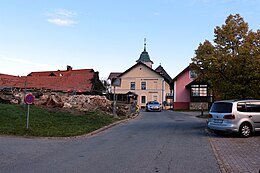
<point x="253" y="108"/>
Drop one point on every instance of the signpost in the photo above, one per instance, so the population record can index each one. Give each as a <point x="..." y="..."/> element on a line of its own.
<point x="115" y="82"/>
<point x="29" y="99"/>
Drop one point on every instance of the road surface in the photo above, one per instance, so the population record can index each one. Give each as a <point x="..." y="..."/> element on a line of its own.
<point x="162" y="142"/>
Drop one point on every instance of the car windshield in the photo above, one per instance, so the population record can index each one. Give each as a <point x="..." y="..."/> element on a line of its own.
<point x="154" y="102"/>
<point x="221" y="107"/>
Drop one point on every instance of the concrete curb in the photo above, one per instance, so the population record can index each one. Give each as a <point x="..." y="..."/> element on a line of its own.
<point x="217" y="157"/>
<point x="104" y="128"/>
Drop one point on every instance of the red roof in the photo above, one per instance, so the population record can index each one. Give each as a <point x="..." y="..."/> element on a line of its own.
<point x="69" y="80"/>
<point x="9" y="80"/>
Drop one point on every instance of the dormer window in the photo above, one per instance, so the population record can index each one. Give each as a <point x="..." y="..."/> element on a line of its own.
<point x="52" y="74"/>
<point x="192" y="74"/>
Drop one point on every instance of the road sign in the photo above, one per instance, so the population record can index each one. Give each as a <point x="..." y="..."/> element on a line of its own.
<point x="29" y="99"/>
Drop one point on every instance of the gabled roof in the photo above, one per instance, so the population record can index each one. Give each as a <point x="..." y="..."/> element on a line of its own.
<point x="196" y="82"/>
<point x="66" y="80"/>
<point x="163" y="73"/>
<point x="7" y="81"/>
<point x="113" y="75"/>
<point x="61" y="72"/>
<point x="183" y="71"/>
<point x="139" y="63"/>
<point x="118" y="75"/>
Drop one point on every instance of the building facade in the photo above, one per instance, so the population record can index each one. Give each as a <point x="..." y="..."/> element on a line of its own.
<point x="143" y="81"/>
<point x="190" y="94"/>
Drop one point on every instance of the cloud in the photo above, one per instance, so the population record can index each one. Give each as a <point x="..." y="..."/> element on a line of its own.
<point x="61" y="17"/>
<point x="61" y="22"/>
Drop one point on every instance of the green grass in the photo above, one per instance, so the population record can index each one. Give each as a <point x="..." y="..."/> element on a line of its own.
<point x="48" y="123"/>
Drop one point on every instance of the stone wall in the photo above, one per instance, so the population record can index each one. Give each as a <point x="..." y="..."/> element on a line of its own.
<point x="198" y="105"/>
<point x="66" y="101"/>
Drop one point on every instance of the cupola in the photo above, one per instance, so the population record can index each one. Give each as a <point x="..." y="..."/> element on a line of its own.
<point x="144" y="57"/>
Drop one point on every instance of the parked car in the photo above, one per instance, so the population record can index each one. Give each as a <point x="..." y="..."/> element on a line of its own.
<point x="153" y="106"/>
<point x="242" y="116"/>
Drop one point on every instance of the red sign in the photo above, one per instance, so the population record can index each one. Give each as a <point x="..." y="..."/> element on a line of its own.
<point x="29" y="99"/>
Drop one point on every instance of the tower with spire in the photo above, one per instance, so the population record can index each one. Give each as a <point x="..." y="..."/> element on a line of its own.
<point x="144" y="57"/>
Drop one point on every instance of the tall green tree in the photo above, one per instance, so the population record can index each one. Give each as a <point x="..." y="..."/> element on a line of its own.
<point x="232" y="64"/>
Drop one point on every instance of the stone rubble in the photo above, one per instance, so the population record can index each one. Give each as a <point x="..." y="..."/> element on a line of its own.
<point x="74" y="102"/>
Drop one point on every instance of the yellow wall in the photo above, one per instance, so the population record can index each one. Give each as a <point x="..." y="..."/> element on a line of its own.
<point x="155" y="84"/>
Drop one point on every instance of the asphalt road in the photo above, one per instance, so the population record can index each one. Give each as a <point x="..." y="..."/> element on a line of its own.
<point x="153" y="142"/>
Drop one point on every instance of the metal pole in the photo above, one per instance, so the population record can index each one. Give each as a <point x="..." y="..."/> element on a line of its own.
<point x="163" y="93"/>
<point x="27" y="116"/>
<point x="25" y="85"/>
<point x="114" y="103"/>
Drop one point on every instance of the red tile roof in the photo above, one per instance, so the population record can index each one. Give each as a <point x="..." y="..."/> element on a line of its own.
<point x="9" y="80"/>
<point x="66" y="80"/>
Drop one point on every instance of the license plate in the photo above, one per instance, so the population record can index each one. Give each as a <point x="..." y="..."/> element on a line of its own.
<point x="218" y="121"/>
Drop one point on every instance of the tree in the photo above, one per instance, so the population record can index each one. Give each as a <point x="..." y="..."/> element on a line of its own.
<point x="232" y="64"/>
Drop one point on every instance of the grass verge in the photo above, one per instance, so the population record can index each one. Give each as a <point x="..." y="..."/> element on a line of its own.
<point x="47" y="123"/>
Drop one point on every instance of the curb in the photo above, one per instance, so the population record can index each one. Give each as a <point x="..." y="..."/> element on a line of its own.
<point x="103" y="128"/>
<point x="219" y="161"/>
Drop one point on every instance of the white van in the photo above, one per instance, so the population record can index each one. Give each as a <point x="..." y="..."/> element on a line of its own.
<point x="241" y="116"/>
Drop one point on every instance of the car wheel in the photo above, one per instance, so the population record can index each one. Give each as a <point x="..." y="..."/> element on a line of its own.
<point x="245" y="130"/>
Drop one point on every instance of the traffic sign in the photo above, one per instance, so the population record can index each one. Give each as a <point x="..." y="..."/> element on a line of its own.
<point x="29" y="99"/>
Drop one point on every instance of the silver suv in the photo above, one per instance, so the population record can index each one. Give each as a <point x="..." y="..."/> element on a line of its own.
<point x="241" y="116"/>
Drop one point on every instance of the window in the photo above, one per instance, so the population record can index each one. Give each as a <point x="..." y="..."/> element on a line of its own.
<point x="192" y="74"/>
<point x="143" y="85"/>
<point x="143" y="99"/>
<point x="221" y="107"/>
<point x="132" y="86"/>
<point x="241" y="107"/>
<point x="253" y="107"/>
<point x="199" y="90"/>
<point x="248" y="107"/>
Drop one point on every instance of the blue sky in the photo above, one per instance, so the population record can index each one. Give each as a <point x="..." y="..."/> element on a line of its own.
<point x="107" y="35"/>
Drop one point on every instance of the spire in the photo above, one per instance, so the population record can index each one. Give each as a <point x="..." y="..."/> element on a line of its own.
<point x="144" y="44"/>
<point x="144" y="57"/>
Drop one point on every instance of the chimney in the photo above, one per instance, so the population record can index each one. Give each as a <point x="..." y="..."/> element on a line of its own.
<point x="69" y="68"/>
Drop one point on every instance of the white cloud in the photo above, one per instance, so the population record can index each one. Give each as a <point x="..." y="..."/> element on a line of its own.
<point x="61" y="17"/>
<point x="62" y="22"/>
<point x="64" y="12"/>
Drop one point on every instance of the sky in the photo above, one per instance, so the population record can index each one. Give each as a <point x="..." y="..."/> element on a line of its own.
<point x="108" y="35"/>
